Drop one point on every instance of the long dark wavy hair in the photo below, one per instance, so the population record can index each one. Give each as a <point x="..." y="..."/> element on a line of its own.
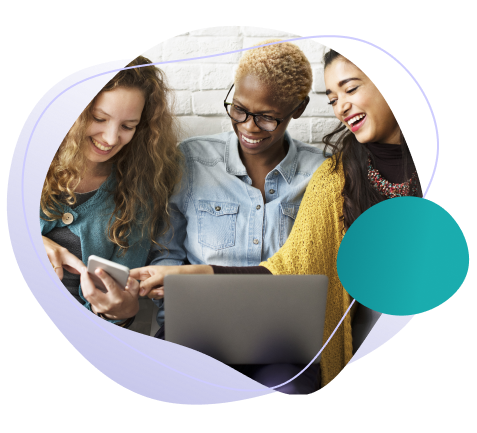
<point x="358" y="193"/>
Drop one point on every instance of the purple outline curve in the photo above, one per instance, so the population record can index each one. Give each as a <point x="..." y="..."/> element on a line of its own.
<point x="418" y="85"/>
<point x="198" y="58"/>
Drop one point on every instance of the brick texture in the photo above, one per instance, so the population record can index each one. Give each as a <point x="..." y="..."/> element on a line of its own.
<point x="202" y="84"/>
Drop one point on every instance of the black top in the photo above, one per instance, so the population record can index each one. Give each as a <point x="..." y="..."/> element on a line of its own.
<point x="388" y="160"/>
<point x="67" y="239"/>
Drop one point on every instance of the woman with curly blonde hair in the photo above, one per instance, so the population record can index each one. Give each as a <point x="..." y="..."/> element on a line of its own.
<point x="107" y="189"/>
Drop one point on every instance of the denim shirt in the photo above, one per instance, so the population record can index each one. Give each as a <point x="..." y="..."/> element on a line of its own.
<point x="219" y="218"/>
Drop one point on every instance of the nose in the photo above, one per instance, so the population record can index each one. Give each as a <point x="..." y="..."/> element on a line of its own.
<point x="250" y="126"/>
<point x="111" y="134"/>
<point x="343" y="108"/>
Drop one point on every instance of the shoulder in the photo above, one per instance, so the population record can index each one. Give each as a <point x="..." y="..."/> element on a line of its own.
<point x="205" y="146"/>
<point x="328" y="179"/>
<point x="309" y="157"/>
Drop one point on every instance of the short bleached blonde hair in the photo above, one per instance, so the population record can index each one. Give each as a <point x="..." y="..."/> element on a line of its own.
<point x="283" y="67"/>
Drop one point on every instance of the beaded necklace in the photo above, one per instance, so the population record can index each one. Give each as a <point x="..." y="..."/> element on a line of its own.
<point x="388" y="189"/>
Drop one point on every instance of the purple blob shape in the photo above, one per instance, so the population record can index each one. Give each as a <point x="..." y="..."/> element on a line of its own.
<point x="120" y="354"/>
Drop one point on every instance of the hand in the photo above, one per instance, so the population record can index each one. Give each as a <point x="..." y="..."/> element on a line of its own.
<point x="152" y="277"/>
<point x="61" y="258"/>
<point x="116" y="304"/>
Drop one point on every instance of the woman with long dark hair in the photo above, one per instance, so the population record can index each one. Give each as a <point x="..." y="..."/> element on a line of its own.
<point x="370" y="162"/>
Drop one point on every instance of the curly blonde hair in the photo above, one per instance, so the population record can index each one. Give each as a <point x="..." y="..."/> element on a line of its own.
<point x="282" y="66"/>
<point x="147" y="169"/>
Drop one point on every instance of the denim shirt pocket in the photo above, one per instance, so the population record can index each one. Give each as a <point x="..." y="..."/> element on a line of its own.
<point x="288" y="213"/>
<point x="217" y="221"/>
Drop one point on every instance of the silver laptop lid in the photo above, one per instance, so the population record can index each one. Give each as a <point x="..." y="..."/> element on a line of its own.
<point x="247" y="319"/>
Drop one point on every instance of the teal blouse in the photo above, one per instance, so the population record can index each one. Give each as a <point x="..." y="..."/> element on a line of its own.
<point x="90" y="222"/>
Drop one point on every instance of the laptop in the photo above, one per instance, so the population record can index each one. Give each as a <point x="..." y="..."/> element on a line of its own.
<point x="247" y="319"/>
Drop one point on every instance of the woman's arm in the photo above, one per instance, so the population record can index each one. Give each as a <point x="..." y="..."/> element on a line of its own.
<point x="152" y="277"/>
<point x="173" y="253"/>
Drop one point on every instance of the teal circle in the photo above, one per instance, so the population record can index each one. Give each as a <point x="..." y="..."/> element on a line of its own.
<point x="403" y="256"/>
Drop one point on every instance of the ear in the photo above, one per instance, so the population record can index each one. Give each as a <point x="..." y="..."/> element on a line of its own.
<point x="302" y="108"/>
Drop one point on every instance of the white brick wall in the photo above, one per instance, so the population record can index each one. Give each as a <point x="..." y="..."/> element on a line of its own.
<point x="201" y="85"/>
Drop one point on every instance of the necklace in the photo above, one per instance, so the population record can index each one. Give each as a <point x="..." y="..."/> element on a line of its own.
<point x="388" y="189"/>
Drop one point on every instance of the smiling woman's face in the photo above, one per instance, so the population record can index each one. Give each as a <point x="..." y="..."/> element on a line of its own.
<point x="116" y="113"/>
<point x="359" y="104"/>
<point x="254" y="96"/>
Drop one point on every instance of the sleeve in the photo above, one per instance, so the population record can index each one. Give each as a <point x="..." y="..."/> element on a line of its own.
<point x="240" y="270"/>
<point x="172" y="251"/>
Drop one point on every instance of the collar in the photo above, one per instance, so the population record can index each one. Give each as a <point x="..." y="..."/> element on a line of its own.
<point x="234" y="165"/>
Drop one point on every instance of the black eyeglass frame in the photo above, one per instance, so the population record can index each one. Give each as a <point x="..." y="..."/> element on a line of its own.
<point x="248" y="114"/>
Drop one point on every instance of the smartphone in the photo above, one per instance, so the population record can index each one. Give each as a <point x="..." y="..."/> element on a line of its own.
<point x="118" y="272"/>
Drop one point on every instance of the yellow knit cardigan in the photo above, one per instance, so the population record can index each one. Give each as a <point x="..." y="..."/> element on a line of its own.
<point x="312" y="248"/>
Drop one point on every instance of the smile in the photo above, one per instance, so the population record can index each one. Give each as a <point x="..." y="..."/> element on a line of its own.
<point x="251" y="141"/>
<point x="355" y="119"/>
<point x="355" y="122"/>
<point x="100" y="146"/>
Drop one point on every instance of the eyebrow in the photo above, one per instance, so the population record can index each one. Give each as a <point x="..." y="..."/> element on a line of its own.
<point x="260" y="112"/>
<point x="342" y="83"/>
<point x="106" y="114"/>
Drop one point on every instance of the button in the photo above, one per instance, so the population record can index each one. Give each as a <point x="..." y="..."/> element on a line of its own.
<point x="275" y="172"/>
<point x="258" y="207"/>
<point x="217" y="208"/>
<point x="255" y="241"/>
<point x="67" y="218"/>
<point x="272" y="191"/>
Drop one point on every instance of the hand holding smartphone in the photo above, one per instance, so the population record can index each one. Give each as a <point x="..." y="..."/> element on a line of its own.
<point x="118" y="272"/>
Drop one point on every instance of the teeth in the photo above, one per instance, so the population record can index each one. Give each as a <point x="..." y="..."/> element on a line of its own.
<point x="251" y="141"/>
<point x="100" y="146"/>
<point x="355" y="119"/>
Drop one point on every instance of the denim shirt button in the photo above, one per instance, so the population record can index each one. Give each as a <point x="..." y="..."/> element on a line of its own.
<point x="272" y="191"/>
<point x="275" y="172"/>
<point x="258" y="207"/>
<point x="255" y="241"/>
<point x="217" y="208"/>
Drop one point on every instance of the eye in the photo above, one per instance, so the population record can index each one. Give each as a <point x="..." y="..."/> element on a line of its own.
<point x="332" y="102"/>
<point x="98" y="120"/>
<point x="352" y="90"/>
<point x="239" y="109"/>
<point x="267" y="118"/>
<point x="127" y="128"/>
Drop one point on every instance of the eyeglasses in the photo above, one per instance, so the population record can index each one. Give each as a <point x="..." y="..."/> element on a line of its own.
<point x="265" y="123"/>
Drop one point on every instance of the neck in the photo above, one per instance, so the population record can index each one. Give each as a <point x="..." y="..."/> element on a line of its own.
<point x="95" y="175"/>
<point x="98" y="169"/>
<point x="265" y="161"/>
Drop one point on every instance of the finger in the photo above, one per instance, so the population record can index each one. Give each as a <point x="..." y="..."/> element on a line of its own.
<point x="88" y="287"/>
<point x="151" y="283"/>
<point x="156" y="293"/>
<point x="58" y="270"/>
<point x="132" y="287"/>
<point x="110" y="284"/>
<point x="72" y="261"/>
<point x="70" y="269"/>
<point x="140" y="273"/>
